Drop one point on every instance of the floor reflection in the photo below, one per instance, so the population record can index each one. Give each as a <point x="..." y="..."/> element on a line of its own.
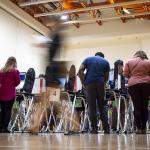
<point x="77" y="141"/>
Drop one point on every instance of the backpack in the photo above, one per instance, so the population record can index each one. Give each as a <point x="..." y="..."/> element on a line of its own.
<point x="29" y="81"/>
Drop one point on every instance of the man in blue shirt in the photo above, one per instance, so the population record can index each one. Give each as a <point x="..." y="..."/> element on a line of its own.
<point x="97" y="74"/>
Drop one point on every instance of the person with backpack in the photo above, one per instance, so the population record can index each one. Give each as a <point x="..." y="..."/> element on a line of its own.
<point x="9" y="79"/>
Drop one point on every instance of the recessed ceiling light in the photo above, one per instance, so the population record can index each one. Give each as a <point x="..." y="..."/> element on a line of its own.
<point x="64" y="17"/>
<point x="126" y="11"/>
<point x="41" y="38"/>
<point x="141" y="19"/>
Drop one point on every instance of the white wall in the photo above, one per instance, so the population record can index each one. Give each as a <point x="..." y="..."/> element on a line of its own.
<point x="114" y="48"/>
<point x="115" y="39"/>
<point x="16" y="39"/>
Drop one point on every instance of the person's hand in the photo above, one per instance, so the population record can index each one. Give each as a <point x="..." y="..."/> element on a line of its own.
<point x="84" y="86"/>
<point x="39" y="45"/>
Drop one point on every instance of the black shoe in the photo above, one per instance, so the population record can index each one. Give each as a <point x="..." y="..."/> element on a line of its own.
<point x="70" y="132"/>
<point x="84" y="131"/>
<point x="5" y="131"/>
<point x="107" y="131"/>
<point x="114" y="129"/>
<point x="93" y="131"/>
<point x="143" y="131"/>
<point x="138" y="131"/>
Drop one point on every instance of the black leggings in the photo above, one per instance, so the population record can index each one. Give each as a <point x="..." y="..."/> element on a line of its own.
<point x="5" y="114"/>
<point x="140" y="94"/>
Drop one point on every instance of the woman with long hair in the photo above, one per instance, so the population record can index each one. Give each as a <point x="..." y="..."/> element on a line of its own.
<point x="9" y="79"/>
<point x="137" y="70"/>
<point x="118" y="75"/>
<point x="70" y="83"/>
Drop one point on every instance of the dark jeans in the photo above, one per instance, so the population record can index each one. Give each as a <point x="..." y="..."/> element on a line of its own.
<point x="5" y="114"/>
<point x="140" y="95"/>
<point x="115" y="114"/>
<point x="96" y="92"/>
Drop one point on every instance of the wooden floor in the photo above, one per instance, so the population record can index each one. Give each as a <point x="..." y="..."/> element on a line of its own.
<point x="59" y="141"/>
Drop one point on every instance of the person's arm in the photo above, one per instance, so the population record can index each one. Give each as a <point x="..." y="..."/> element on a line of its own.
<point x="40" y="45"/>
<point x="126" y="71"/>
<point x="17" y="78"/>
<point x="106" y="74"/>
<point x="81" y="74"/>
<point x="149" y="67"/>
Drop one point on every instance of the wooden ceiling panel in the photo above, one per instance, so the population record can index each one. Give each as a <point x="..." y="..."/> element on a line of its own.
<point x="95" y="9"/>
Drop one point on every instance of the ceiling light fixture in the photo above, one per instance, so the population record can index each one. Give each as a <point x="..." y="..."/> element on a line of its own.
<point x="126" y="11"/>
<point x="64" y="17"/>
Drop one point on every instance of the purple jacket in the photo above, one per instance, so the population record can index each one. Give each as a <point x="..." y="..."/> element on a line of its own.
<point x="8" y="82"/>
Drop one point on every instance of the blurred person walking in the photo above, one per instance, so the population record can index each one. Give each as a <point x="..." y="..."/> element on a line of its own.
<point x="9" y="79"/>
<point x="137" y="70"/>
<point x="55" y="74"/>
<point x="56" y="69"/>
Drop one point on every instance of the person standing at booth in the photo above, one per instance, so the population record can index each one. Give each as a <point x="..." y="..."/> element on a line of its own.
<point x="137" y="70"/>
<point x="119" y="82"/>
<point x="119" y="79"/>
<point x="97" y="73"/>
<point x="9" y="79"/>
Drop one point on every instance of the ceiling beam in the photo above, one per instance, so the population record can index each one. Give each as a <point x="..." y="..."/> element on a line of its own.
<point x="91" y="8"/>
<point x="24" y="4"/>
<point x="108" y="18"/>
<point x="21" y="15"/>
